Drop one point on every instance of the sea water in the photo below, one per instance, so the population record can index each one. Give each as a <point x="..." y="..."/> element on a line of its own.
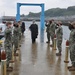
<point x="66" y="31"/>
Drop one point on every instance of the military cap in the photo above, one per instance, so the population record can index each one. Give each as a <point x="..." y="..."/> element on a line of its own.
<point x="8" y="23"/>
<point x="73" y="23"/>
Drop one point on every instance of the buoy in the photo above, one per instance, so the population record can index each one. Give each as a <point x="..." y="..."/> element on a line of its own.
<point x="66" y="52"/>
<point x="3" y="62"/>
<point x="54" y="42"/>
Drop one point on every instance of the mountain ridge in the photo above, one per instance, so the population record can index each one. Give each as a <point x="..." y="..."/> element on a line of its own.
<point x="54" y="12"/>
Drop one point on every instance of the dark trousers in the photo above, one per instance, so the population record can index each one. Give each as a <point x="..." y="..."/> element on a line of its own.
<point x="33" y="40"/>
<point x="48" y="36"/>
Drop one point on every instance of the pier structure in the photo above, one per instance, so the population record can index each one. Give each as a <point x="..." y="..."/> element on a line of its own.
<point x="31" y="4"/>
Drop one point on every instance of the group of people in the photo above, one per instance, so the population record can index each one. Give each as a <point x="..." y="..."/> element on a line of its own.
<point x="12" y="36"/>
<point x="72" y="46"/>
<point x="52" y="29"/>
<point x="56" y="29"/>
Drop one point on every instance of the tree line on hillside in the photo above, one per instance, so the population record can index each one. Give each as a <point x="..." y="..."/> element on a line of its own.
<point x="54" y="12"/>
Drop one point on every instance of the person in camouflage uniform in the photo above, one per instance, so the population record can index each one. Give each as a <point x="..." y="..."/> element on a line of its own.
<point x="48" y="30"/>
<point x="15" y="37"/>
<point x="72" y="47"/>
<point x="59" y="35"/>
<point x="8" y="43"/>
<point x="52" y="31"/>
<point x="19" y="29"/>
<point x="0" y="44"/>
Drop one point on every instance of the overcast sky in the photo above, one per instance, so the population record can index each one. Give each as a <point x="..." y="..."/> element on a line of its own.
<point x="8" y="7"/>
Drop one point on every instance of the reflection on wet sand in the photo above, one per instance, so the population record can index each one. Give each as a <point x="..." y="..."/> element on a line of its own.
<point x="58" y="66"/>
<point x="16" y="68"/>
<point x="34" y="53"/>
<point x="50" y="56"/>
<point x="66" y="72"/>
<point x="42" y="36"/>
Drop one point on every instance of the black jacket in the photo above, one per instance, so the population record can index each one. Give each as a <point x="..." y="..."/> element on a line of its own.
<point x="34" y="30"/>
<point x="23" y="27"/>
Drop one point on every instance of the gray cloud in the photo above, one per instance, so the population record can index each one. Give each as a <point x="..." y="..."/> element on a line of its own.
<point x="9" y="3"/>
<point x="9" y="6"/>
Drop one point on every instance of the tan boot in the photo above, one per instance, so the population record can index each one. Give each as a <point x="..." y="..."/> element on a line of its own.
<point x="11" y="61"/>
<point x="10" y="69"/>
<point x="72" y="69"/>
<point x="58" y="54"/>
<point x="16" y="54"/>
<point x="51" y="45"/>
<point x="69" y="67"/>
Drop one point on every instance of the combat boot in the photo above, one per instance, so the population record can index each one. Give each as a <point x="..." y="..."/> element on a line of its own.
<point x="58" y="54"/>
<point x="72" y="69"/>
<point x="47" y="42"/>
<point x="69" y="67"/>
<point x="9" y="69"/>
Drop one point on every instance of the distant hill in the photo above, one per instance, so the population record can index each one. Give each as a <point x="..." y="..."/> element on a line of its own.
<point x="54" y="12"/>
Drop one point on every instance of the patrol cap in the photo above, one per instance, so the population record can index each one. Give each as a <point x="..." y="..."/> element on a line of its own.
<point x="50" y="21"/>
<point x="73" y="23"/>
<point x="8" y="23"/>
<point x="19" y="21"/>
<point x="4" y="22"/>
<point x="59" y="22"/>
